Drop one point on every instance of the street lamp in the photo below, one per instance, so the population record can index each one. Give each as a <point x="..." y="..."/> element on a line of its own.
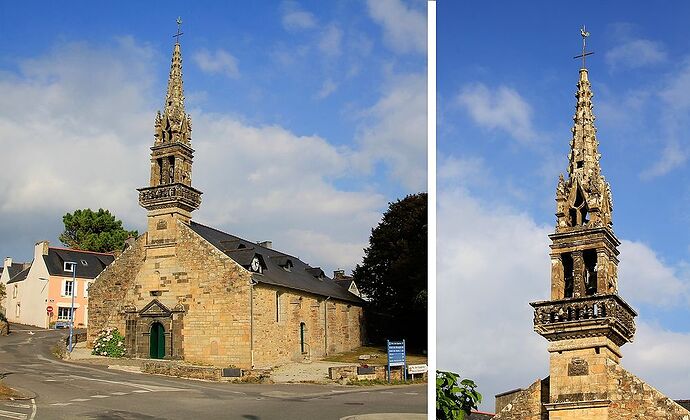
<point x="71" y="313"/>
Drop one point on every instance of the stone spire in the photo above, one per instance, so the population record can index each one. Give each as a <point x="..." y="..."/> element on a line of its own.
<point x="170" y="195"/>
<point x="584" y="199"/>
<point x="174" y="125"/>
<point x="586" y="322"/>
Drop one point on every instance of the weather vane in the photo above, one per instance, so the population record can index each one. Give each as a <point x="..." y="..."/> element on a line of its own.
<point x="178" y="34"/>
<point x="584" y="54"/>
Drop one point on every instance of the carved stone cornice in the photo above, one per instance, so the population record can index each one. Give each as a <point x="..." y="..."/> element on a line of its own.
<point x="170" y="196"/>
<point x="590" y="316"/>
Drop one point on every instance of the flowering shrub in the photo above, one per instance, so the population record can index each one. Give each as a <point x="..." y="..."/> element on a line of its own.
<point x="109" y="343"/>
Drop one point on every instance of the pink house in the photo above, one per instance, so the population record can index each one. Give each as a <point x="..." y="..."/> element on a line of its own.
<point x="41" y="294"/>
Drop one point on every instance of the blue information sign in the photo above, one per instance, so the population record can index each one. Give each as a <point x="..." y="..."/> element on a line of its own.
<point x="396" y="356"/>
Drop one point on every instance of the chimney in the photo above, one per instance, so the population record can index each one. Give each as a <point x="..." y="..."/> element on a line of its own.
<point x="338" y="274"/>
<point x="266" y="244"/>
<point x="8" y="262"/>
<point x="41" y="248"/>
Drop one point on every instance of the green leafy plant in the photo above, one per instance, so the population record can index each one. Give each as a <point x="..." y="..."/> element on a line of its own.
<point x="455" y="400"/>
<point x="109" y="342"/>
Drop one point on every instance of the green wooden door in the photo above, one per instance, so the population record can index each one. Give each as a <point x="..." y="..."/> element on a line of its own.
<point x="157" y="341"/>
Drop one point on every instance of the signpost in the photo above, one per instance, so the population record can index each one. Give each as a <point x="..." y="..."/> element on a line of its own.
<point x="396" y="356"/>
<point x="417" y="369"/>
<point x="49" y="309"/>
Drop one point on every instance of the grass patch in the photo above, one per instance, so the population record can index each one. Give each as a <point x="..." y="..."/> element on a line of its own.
<point x="7" y="393"/>
<point x="378" y="356"/>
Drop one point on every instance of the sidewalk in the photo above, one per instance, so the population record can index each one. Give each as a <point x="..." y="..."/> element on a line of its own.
<point x="314" y="372"/>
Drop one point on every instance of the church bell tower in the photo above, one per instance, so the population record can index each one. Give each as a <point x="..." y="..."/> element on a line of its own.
<point x="586" y="322"/>
<point x="170" y="196"/>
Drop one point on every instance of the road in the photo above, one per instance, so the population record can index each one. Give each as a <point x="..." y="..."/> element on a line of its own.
<point x="69" y="390"/>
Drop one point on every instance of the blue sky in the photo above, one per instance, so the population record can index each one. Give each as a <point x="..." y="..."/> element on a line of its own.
<point x="506" y="83"/>
<point x="308" y="117"/>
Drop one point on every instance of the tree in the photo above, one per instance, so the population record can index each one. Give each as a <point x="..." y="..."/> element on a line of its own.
<point x="393" y="274"/>
<point x="94" y="231"/>
<point x="453" y="400"/>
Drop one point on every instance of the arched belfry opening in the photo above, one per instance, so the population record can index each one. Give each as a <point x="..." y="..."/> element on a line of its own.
<point x="579" y="211"/>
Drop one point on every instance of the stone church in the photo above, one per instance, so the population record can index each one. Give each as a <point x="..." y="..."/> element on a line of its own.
<point x="585" y="322"/>
<point x="183" y="290"/>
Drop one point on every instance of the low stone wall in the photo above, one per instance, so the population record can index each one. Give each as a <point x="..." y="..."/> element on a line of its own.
<point x="4" y="328"/>
<point x="380" y="373"/>
<point x="209" y="373"/>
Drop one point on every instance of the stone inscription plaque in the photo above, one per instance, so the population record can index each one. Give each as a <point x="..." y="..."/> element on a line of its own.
<point x="578" y="367"/>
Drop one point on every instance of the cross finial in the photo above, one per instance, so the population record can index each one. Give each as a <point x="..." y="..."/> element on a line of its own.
<point x="178" y="34"/>
<point x="584" y="34"/>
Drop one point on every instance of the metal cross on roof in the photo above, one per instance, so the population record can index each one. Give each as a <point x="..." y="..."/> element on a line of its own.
<point x="584" y="34"/>
<point x="178" y="34"/>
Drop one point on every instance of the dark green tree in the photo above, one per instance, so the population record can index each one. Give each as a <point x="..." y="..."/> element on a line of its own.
<point x="393" y="274"/>
<point x="94" y="231"/>
<point x="455" y="400"/>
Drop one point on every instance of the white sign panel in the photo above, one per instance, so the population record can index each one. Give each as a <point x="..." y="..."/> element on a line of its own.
<point x="417" y="369"/>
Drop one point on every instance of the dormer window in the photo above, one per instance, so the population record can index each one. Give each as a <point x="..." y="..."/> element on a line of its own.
<point x="68" y="267"/>
<point x="255" y="265"/>
<point x="288" y="265"/>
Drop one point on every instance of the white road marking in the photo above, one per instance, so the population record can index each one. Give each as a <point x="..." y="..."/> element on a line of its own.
<point x="61" y="404"/>
<point x="16" y="405"/>
<point x="152" y="388"/>
<point x="50" y="380"/>
<point x="80" y="399"/>
<point x="33" y="409"/>
<point x="386" y="392"/>
<point x="12" y="415"/>
<point x="140" y="390"/>
<point x="337" y="391"/>
<point x="100" y="396"/>
<point x="119" y="393"/>
<point x="411" y="393"/>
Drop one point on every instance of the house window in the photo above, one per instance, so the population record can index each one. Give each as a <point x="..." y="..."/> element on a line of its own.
<point x="14" y="292"/>
<point x="17" y="310"/>
<point x="63" y="314"/>
<point x="68" y="288"/>
<point x="278" y="306"/>
<point x="87" y="284"/>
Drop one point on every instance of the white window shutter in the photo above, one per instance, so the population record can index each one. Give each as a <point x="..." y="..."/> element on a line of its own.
<point x="64" y="287"/>
<point x="75" y="288"/>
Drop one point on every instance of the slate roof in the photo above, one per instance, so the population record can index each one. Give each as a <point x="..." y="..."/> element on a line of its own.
<point x="301" y="276"/>
<point x="16" y="268"/>
<point x="344" y="283"/>
<point x="89" y="264"/>
<point x="20" y="276"/>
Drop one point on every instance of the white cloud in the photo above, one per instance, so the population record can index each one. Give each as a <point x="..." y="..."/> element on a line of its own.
<point x="78" y="123"/>
<point x="491" y="263"/>
<point x="218" y="62"/>
<point x="330" y="41"/>
<point x="646" y="279"/>
<point x="672" y="157"/>
<point x="404" y="28"/>
<point x="395" y="130"/>
<point x="295" y="19"/>
<point x="635" y="53"/>
<point x="502" y="108"/>
<point x="327" y="88"/>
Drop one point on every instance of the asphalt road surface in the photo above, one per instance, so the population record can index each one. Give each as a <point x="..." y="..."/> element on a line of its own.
<point x="69" y="390"/>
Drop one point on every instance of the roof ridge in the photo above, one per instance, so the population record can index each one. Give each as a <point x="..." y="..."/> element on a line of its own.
<point x="247" y="240"/>
<point x="81" y="250"/>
